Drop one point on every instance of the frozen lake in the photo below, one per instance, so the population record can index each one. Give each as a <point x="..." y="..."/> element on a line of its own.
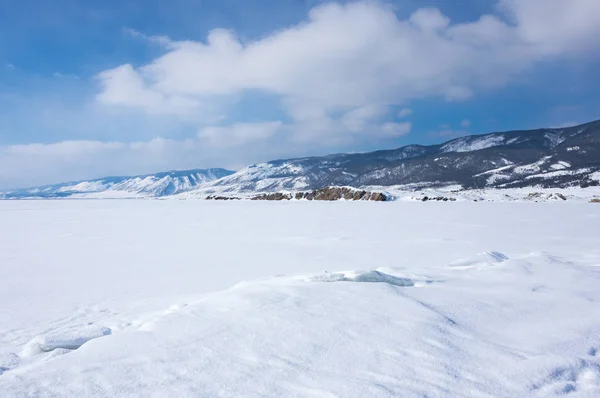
<point x="135" y="297"/>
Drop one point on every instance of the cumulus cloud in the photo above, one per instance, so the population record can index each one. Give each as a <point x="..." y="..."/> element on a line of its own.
<point x="125" y="86"/>
<point x="555" y="26"/>
<point x="345" y="58"/>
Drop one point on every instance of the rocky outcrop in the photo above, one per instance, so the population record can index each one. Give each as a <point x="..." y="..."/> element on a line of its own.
<point x="535" y="196"/>
<point x="595" y="200"/>
<point x="214" y="197"/>
<point x="438" y="198"/>
<point x="274" y="196"/>
<point x="337" y="193"/>
<point x="327" y="194"/>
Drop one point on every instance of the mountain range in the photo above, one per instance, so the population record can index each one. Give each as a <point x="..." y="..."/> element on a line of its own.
<point x="548" y="157"/>
<point x="149" y="185"/>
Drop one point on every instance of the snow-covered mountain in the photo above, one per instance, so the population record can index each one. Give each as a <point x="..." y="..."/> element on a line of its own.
<point x="150" y="185"/>
<point x="544" y="157"/>
<point x="550" y="158"/>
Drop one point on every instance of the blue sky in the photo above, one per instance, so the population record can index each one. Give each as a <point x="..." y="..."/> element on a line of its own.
<point x="92" y="88"/>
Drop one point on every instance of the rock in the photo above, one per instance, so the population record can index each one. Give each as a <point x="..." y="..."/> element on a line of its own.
<point x="273" y="196"/>
<point x="327" y="194"/>
<point x="214" y="197"/>
<point x="595" y="200"/>
<point x="540" y="196"/>
<point x="438" y="199"/>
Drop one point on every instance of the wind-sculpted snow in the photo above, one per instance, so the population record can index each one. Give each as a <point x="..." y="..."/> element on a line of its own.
<point x="299" y="299"/>
<point x="67" y="341"/>
<point x="372" y="276"/>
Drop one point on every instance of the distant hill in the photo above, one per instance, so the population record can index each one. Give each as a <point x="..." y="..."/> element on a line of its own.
<point x="149" y="185"/>
<point x="550" y="158"/>
<point x="544" y="157"/>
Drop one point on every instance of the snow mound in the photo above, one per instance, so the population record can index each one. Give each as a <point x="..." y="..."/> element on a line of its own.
<point x="481" y="259"/>
<point x="372" y="276"/>
<point x="71" y="340"/>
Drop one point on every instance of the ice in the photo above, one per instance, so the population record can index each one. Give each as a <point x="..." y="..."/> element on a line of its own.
<point x="372" y="276"/>
<point x="67" y="341"/>
<point x="295" y="299"/>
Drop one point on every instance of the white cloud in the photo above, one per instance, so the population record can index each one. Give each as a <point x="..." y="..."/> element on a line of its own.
<point x="160" y="40"/>
<point x="555" y="26"/>
<point x="429" y="20"/>
<point x="356" y="120"/>
<point x="35" y="164"/>
<point x="396" y="129"/>
<point x="345" y="58"/>
<point x="10" y="66"/>
<point x="466" y="123"/>
<point x="402" y="113"/>
<point x="239" y="133"/>
<point x="125" y="86"/>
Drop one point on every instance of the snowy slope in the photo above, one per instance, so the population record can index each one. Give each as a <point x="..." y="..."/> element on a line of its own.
<point x="536" y="158"/>
<point x="468" y="144"/>
<point x="150" y="185"/>
<point x="462" y="300"/>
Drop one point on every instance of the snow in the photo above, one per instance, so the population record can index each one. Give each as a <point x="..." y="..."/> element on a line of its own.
<point x="409" y="193"/>
<point x="533" y="167"/>
<point x="495" y="178"/>
<point x="560" y="165"/>
<point x="353" y="299"/>
<point x="156" y="185"/>
<point x="559" y="173"/>
<point x="467" y="144"/>
<point x="555" y="138"/>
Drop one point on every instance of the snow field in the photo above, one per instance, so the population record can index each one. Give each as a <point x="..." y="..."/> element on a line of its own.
<point x="164" y="298"/>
